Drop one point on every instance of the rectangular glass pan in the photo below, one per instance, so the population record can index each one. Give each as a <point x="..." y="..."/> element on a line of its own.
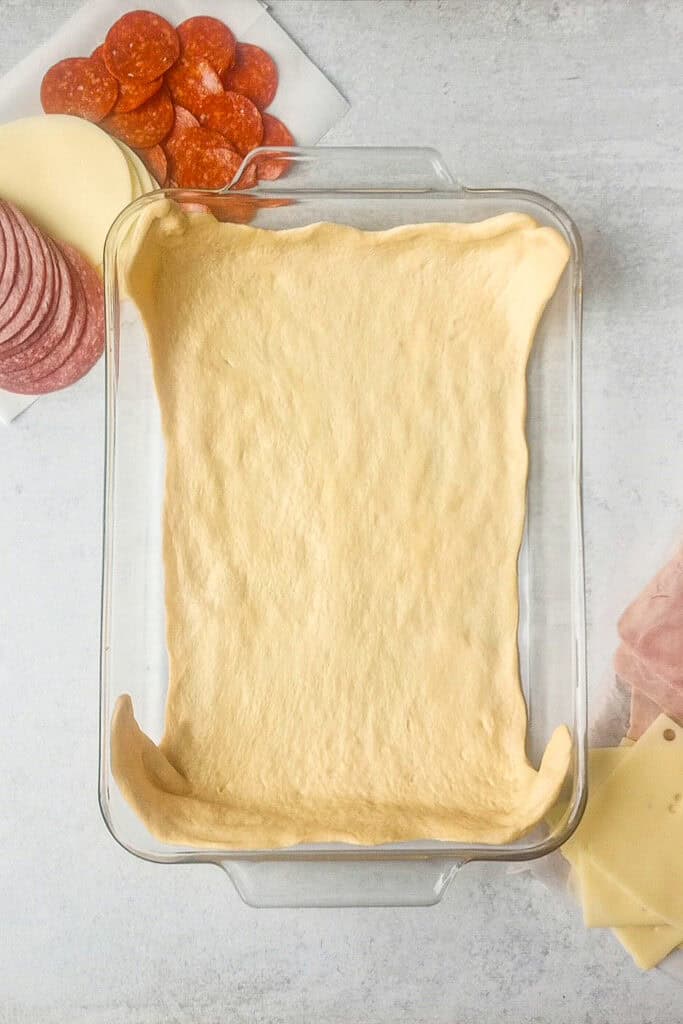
<point x="371" y="189"/>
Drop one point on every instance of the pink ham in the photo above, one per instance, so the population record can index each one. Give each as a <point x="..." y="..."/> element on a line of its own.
<point x="643" y="713"/>
<point x="650" y="659"/>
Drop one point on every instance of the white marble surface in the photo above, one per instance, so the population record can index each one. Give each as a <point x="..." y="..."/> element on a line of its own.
<point x="581" y="101"/>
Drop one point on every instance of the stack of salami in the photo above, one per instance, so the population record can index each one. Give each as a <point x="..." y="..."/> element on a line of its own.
<point x="51" y="309"/>
<point x="191" y="101"/>
<point x="650" y="657"/>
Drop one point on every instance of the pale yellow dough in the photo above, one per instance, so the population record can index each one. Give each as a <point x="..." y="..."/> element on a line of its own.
<point x="345" y="494"/>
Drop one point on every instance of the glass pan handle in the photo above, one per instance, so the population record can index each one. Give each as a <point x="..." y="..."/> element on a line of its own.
<point x="356" y="169"/>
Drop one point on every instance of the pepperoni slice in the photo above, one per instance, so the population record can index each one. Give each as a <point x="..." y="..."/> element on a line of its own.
<point x="147" y="125"/>
<point x="209" y="39"/>
<point x="133" y="93"/>
<point x="248" y="178"/>
<point x="183" y="119"/>
<point x="80" y="86"/>
<point x="235" y="117"/>
<point x="204" y="160"/>
<point x="275" y="133"/>
<point x="156" y="163"/>
<point x="254" y="74"/>
<point x="141" y="45"/>
<point x="191" y="82"/>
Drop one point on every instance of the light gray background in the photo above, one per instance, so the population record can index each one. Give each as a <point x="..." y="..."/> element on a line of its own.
<point x="583" y="102"/>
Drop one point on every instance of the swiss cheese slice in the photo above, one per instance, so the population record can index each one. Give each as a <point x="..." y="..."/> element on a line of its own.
<point x="633" y="827"/>
<point x="67" y="175"/>
<point x="649" y="946"/>
<point x="605" y="901"/>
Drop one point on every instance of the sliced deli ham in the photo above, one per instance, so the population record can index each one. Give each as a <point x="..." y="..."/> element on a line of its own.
<point x="650" y="658"/>
<point x="665" y="693"/>
<point x="643" y="713"/>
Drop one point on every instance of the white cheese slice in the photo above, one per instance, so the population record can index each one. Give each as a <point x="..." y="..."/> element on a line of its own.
<point x="649" y="946"/>
<point x="633" y="826"/>
<point x="67" y="175"/>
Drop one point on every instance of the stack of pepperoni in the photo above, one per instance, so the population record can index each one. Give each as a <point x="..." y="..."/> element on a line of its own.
<point x="191" y="101"/>
<point x="51" y="309"/>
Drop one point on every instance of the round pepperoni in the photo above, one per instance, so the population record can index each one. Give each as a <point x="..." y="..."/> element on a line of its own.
<point x="177" y="140"/>
<point x="156" y="163"/>
<point x="141" y="45"/>
<point x="146" y="126"/>
<point x="248" y="178"/>
<point x="210" y="39"/>
<point x="275" y="133"/>
<point x="133" y="93"/>
<point x="234" y="209"/>
<point x="204" y="160"/>
<point x="183" y="119"/>
<point x="80" y="86"/>
<point x="254" y="74"/>
<point x="235" y="117"/>
<point x="191" y="82"/>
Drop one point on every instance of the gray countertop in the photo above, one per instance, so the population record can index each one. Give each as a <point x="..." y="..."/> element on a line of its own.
<point x="581" y="101"/>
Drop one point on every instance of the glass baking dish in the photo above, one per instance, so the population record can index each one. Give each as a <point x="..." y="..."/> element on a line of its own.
<point x="371" y="189"/>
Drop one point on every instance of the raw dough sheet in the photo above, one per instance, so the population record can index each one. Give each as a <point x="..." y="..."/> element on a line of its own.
<point x="344" y="418"/>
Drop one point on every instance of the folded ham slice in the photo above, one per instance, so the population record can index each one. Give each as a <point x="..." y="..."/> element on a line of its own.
<point x="650" y="657"/>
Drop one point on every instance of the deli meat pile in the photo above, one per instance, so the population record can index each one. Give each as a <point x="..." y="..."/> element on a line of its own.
<point x="190" y="100"/>
<point x="51" y="309"/>
<point x="650" y="657"/>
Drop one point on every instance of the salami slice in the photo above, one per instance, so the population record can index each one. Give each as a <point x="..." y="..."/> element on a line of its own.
<point x="204" y="160"/>
<point x="254" y="74"/>
<point x="9" y="270"/>
<point x="191" y="82"/>
<point x="133" y="93"/>
<point x="47" y="345"/>
<point x="40" y="293"/>
<point x="275" y="133"/>
<point x="235" y="117"/>
<point x="22" y="277"/>
<point x="209" y="39"/>
<point x="141" y="45"/>
<point x="156" y="163"/>
<point x="81" y="86"/>
<point x="146" y="126"/>
<point x="59" y="339"/>
<point x="90" y="342"/>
